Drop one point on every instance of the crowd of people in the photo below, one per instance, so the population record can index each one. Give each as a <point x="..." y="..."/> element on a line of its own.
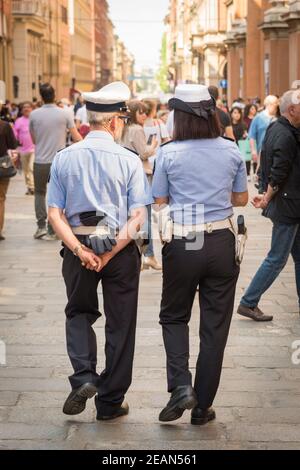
<point x="40" y="132"/>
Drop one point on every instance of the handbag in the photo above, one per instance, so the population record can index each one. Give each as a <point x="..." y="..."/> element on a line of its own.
<point x="7" y="168"/>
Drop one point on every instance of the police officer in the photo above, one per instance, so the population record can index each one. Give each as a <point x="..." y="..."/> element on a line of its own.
<point x="201" y="176"/>
<point x="97" y="198"/>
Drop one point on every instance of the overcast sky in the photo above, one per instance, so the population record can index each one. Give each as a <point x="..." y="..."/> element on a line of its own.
<point x="140" y="27"/>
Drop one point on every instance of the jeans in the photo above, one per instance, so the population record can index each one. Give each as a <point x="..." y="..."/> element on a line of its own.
<point x="41" y="173"/>
<point x="285" y="241"/>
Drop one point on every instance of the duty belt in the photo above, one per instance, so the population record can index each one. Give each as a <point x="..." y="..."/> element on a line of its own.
<point x="86" y="230"/>
<point x="209" y="227"/>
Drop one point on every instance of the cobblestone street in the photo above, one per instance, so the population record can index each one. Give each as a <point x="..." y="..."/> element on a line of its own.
<point x="258" y="403"/>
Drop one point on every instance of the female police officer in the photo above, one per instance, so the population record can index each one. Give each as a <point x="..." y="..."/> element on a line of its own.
<point x="201" y="176"/>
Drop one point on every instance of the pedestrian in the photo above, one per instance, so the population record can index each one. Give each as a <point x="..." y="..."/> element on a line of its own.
<point x="238" y="125"/>
<point x="48" y="127"/>
<point x="201" y="176"/>
<point x="280" y="167"/>
<point x="258" y="102"/>
<point x="134" y="139"/>
<point x="163" y="116"/>
<point x="224" y="118"/>
<point x="7" y="142"/>
<point x="249" y="114"/>
<point x="14" y="111"/>
<point x="260" y="125"/>
<point x="79" y="103"/>
<point x="98" y="176"/>
<point x="241" y="138"/>
<point x="26" y="146"/>
<point x="239" y="103"/>
<point x="4" y="112"/>
<point x="153" y="126"/>
<point x="81" y="121"/>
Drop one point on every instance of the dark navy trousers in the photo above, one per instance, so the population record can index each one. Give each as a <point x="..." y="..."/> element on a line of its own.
<point x="214" y="270"/>
<point x="120" y="282"/>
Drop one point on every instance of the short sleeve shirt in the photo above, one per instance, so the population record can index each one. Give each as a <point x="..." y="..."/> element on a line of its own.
<point x="98" y="175"/>
<point x="198" y="177"/>
<point x="81" y="115"/>
<point x="49" y="125"/>
<point x="259" y="127"/>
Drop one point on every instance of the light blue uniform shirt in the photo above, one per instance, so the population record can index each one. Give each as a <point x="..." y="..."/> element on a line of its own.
<point x="97" y="174"/>
<point x="259" y="127"/>
<point x="199" y="176"/>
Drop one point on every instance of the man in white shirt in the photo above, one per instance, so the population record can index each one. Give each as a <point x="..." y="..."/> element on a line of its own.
<point x="81" y="117"/>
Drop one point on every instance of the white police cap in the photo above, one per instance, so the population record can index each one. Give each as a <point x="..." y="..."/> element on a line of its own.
<point x="111" y="98"/>
<point x="193" y="99"/>
<point x="192" y="93"/>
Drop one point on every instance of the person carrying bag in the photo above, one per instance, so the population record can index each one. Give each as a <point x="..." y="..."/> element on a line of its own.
<point x="7" y="169"/>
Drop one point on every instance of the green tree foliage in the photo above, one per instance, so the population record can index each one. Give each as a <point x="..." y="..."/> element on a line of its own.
<point x="162" y="76"/>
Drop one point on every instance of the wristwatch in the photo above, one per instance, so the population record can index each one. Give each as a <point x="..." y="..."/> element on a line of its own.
<point x="76" y="249"/>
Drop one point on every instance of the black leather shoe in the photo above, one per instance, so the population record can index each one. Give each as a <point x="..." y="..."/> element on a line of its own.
<point x="123" y="410"/>
<point x="183" y="398"/>
<point x="76" y="401"/>
<point x="201" y="417"/>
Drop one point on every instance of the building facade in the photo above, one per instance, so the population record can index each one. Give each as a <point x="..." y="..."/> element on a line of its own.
<point x="82" y="28"/>
<point x="41" y="47"/>
<point x="69" y="43"/>
<point x="263" y="44"/>
<point x="248" y="48"/>
<point x="123" y="63"/>
<point x="113" y="60"/>
<point x="195" y="41"/>
<point x="6" y="35"/>
<point x="104" y="44"/>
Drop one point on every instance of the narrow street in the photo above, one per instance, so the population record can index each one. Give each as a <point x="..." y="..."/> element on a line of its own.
<point x="258" y="404"/>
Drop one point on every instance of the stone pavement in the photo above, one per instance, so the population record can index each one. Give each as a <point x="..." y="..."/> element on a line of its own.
<point x="258" y="404"/>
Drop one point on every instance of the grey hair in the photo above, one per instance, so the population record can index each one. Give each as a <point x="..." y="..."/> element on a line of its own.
<point x="99" y="119"/>
<point x="271" y="99"/>
<point x="287" y="100"/>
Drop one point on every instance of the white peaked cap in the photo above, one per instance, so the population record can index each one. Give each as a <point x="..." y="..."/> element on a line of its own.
<point x="111" y="97"/>
<point x="192" y="93"/>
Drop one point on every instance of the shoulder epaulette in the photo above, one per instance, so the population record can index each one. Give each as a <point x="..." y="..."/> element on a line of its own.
<point x="228" y="138"/>
<point x="166" y="143"/>
<point x="130" y="150"/>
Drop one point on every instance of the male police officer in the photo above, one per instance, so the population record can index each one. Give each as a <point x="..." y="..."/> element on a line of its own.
<point x="97" y="182"/>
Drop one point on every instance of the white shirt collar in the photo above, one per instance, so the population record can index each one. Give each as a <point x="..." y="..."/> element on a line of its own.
<point x="100" y="135"/>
